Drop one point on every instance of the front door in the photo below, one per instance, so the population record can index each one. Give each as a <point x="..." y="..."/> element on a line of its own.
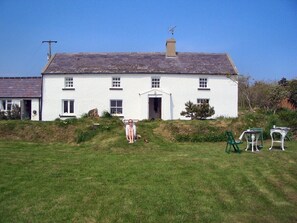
<point x="27" y="109"/>
<point x="155" y="105"/>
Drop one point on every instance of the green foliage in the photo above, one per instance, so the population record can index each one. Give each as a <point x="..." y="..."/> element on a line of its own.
<point x="293" y="92"/>
<point x="85" y="135"/>
<point x="3" y="115"/>
<point x="15" y="113"/>
<point x="66" y="122"/>
<point x="218" y="137"/>
<point x="106" y="114"/>
<point x="276" y="95"/>
<point x="288" y="118"/>
<point x="195" y="111"/>
<point x="85" y="115"/>
<point x="265" y="96"/>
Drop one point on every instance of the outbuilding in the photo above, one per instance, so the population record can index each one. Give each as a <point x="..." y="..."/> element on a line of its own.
<point x="24" y="92"/>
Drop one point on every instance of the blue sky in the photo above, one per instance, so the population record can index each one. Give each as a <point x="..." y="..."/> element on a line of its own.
<point x="259" y="35"/>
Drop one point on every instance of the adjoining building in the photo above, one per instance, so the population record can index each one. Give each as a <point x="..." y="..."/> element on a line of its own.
<point x="24" y="92"/>
<point x="138" y="85"/>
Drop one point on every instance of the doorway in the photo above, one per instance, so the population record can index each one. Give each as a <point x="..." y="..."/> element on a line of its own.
<point x="27" y="109"/>
<point x="155" y="105"/>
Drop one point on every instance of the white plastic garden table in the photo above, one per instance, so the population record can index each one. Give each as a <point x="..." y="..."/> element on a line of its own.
<point x="251" y="137"/>
<point x="283" y="131"/>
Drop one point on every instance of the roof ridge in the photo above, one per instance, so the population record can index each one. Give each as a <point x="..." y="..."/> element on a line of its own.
<point x="101" y="53"/>
<point x="27" y="77"/>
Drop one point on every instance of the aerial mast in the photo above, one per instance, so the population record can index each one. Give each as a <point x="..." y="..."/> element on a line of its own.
<point x="49" y="55"/>
<point x="171" y="30"/>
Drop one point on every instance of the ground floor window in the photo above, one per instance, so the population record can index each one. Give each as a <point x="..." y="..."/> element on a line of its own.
<point x="116" y="107"/>
<point x="68" y="106"/>
<point x="201" y="101"/>
<point x="6" y="105"/>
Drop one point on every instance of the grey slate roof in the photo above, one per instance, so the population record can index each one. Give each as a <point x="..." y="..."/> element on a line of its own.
<point x="135" y="63"/>
<point x="20" y="87"/>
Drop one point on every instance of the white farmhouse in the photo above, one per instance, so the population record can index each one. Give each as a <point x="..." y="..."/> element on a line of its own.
<point x="138" y="85"/>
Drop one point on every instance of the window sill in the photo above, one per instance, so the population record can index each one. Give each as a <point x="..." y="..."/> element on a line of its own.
<point x="67" y="116"/>
<point x="118" y="115"/>
<point x="68" y="89"/>
<point x="203" y="89"/>
<point x="116" y="88"/>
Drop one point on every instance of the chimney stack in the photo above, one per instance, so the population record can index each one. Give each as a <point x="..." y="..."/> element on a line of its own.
<point x="170" y="48"/>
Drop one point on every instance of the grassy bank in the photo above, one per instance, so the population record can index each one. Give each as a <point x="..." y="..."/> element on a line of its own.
<point x="146" y="182"/>
<point x="86" y="129"/>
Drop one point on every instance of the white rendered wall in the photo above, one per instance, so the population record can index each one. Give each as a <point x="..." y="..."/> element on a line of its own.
<point x="93" y="91"/>
<point x="35" y="107"/>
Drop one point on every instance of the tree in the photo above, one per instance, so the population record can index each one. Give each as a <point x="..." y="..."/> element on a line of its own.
<point x="204" y="110"/>
<point x="245" y="92"/>
<point x="195" y="111"/>
<point x="276" y="95"/>
<point x="190" y="110"/>
<point x="293" y="93"/>
<point x="260" y="93"/>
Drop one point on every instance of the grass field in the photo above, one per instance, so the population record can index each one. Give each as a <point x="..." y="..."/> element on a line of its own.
<point x="108" y="180"/>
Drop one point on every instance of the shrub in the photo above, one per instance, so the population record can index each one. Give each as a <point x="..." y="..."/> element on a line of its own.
<point x="288" y="118"/>
<point x="3" y="115"/>
<point x="195" y="111"/>
<point x="15" y="113"/>
<point x="106" y="114"/>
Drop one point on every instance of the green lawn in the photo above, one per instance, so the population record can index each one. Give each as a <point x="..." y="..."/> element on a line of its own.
<point x="157" y="181"/>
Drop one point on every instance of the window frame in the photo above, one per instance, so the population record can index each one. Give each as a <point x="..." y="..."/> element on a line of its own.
<point x="68" y="83"/>
<point x="116" y="83"/>
<point x="116" y="107"/>
<point x="7" y="103"/>
<point x="203" y="83"/>
<point x="203" y="100"/>
<point x="70" y="106"/>
<point x="155" y="82"/>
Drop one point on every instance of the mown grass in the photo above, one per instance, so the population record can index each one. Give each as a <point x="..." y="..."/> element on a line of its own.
<point x="154" y="180"/>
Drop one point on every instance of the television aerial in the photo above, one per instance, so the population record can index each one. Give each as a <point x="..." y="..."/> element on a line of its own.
<point x="171" y="30"/>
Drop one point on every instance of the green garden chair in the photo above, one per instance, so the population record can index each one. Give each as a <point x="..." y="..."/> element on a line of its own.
<point x="232" y="142"/>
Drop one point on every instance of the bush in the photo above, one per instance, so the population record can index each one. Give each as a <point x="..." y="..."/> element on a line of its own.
<point x="288" y="118"/>
<point x="195" y="111"/>
<point x="3" y="115"/>
<point x="66" y="122"/>
<point x="106" y="114"/>
<point x="15" y="113"/>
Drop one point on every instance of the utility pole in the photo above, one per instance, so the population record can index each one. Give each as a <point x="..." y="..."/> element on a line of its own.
<point x="49" y="55"/>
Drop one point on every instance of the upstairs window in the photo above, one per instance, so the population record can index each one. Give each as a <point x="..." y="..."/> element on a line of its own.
<point x="116" y="107"/>
<point x="155" y="82"/>
<point x="202" y="82"/>
<point x="68" y="106"/>
<point x="116" y="82"/>
<point x="68" y="82"/>
<point x="201" y="101"/>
